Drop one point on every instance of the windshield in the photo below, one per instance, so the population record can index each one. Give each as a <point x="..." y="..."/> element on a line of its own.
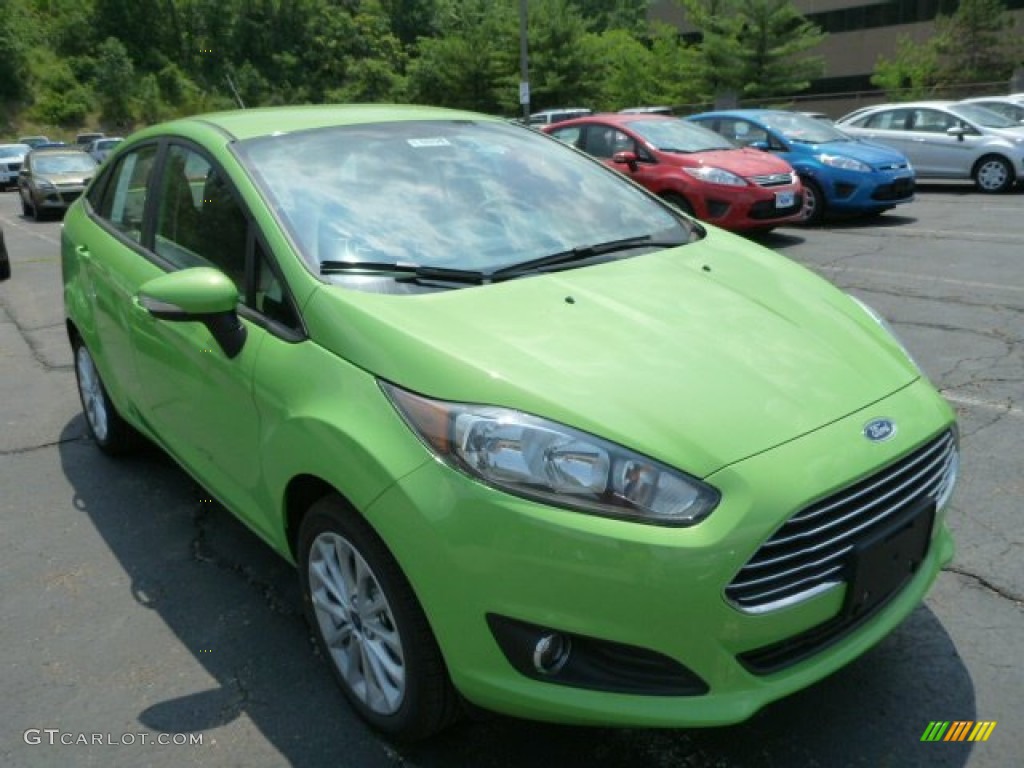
<point x="14" y="150"/>
<point x="982" y="116"/>
<point x="72" y="162"/>
<point x="679" y="136"/>
<point x="455" y="195"/>
<point x="803" y="129"/>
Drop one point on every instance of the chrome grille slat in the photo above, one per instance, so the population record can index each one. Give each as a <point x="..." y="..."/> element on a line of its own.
<point x="819" y="509"/>
<point x="780" y="542"/>
<point x="798" y="561"/>
<point x="846" y="534"/>
<point x="793" y="587"/>
<point x="772" y="179"/>
<point x="791" y="571"/>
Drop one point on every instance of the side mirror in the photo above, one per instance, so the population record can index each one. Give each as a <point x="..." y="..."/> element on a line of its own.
<point x="200" y="295"/>
<point x="958" y="131"/>
<point x="625" y="158"/>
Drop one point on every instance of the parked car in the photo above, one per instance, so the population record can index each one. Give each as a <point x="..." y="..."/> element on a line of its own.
<point x="1006" y="106"/>
<point x="101" y="148"/>
<point x="691" y="167"/>
<point x="5" y="262"/>
<point x="33" y="141"/>
<point x="531" y="435"/>
<point x="947" y="140"/>
<point x="83" y="140"/>
<point x="51" y="179"/>
<point x="548" y="116"/>
<point x="11" y="158"/>
<point x="840" y="174"/>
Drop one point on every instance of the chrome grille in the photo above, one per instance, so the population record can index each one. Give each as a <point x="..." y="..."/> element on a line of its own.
<point x="774" y="179"/>
<point x="808" y="554"/>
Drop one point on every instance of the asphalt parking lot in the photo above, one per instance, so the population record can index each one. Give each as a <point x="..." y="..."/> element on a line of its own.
<point x="134" y="611"/>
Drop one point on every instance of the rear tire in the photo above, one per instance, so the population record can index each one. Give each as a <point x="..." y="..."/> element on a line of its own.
<point x="993" y="174"/>
<point x="112" y="434"/>
<point x="370" y="627"/>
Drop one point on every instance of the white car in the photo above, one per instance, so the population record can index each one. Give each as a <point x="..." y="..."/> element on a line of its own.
<point x="946" y="140"/>
<point x="11" y="158"/>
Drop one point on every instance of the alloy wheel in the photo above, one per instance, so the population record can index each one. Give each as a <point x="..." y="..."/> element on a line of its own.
<point x="94" y="401"/>
<point x="357" y="623"/>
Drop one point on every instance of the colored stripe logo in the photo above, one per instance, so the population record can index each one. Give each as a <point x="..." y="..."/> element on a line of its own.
<point x="958" y="730"/>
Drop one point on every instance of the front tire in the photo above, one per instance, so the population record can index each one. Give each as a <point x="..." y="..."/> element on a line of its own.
<point x="112" y="434"/>
<point x="369" y="625"/>
<point x="679" y="202"/>
<point x="814" y="202"/>
<point x="993" y="174"/>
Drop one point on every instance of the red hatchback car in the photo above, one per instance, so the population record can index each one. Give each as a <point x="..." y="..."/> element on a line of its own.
<point x="694" y="168"/>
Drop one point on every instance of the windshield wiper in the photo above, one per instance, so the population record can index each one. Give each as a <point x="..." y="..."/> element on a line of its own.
<point x="580" y="253"/>
<point x="408" y="271"/>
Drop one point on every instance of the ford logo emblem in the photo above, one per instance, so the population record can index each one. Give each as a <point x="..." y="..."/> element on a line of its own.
<point x="879" y="430"/>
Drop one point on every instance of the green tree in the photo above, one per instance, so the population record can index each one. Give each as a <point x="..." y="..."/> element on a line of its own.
<point x="753" y="48"/>
<point x="467" y="64"/>
<point x="115" y="82"/>
<point x="978" y="43"/>
<point x="15" y="42"/>
<point x="776" y="40"/>
<point x="912" y="72"/>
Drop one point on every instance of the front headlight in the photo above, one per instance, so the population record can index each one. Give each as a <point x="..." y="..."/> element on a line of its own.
<point x="870" y="311"/>
<point x="845" y="163"/>
<point x="714" y="175"/>
<point x="45" y="184"/>
<point x="552" y="463"/>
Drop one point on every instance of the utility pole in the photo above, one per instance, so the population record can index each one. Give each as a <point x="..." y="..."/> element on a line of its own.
<point x="524" y="65"/>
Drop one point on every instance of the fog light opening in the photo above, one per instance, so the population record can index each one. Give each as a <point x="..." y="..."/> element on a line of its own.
<point x="551" y="653"/>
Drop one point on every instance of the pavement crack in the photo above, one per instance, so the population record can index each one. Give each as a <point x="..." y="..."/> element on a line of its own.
<point x="203" y="552"/>
<point x="42" y="446"/>
<point x="1006" y="594"/>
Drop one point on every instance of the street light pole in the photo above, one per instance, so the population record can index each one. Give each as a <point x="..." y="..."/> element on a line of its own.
<point x="524" y="65"/>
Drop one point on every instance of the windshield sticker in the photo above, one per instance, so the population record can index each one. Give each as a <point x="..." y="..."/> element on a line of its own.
<point x="438" y="141"/>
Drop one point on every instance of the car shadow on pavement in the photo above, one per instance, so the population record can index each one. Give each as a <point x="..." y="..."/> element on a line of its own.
<point x="234" y="606"/>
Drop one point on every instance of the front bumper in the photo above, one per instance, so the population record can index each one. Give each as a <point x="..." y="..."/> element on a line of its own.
<point x="472" y="552"/>
<point x="853" y="191"/>
<point x="743" y="209"/>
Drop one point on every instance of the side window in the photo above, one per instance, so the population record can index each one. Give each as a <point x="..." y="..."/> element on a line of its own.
<point x="200" y="222"/>
<point x="932" y="121"/>
<point x="889" y="120"/>
<point x="569" y="135"/>
<point x="271" y="298"/>
<point x="122" y="199"/>
<point x="599" y="140"/>
<point x="743" y="132"/>
<point x="622" y="143"/>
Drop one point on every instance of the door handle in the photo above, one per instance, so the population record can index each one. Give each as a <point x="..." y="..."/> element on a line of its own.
<point x="83" y="252"/>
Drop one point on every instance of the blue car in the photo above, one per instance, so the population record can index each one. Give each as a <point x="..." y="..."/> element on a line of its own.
<point x="840" y="174"/>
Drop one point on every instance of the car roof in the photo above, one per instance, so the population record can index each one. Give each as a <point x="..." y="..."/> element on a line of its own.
<point x="244" y="124"/>
<point x="752" y="114"/>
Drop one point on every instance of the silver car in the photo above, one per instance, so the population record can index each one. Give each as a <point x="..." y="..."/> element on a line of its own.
<point x="947" y="140"/>
<point x="11" y="158"/>
<point x="1007" y="106"/>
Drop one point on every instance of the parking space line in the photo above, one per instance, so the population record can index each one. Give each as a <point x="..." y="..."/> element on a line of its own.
<point x="989" y="405"/>
<point x="932" y="278"/>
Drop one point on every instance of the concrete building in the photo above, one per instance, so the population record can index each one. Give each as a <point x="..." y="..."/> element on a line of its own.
<point x="858" y="33"/>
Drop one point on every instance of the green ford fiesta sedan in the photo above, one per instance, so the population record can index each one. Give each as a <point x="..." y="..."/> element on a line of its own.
<point x="535" y="440"/>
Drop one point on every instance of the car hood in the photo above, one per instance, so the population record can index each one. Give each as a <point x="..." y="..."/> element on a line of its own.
<point x="742" y="162"/>
<point x="78" y="177"/>
<point x="698" y="356"/>
<point x="865" y="151"/>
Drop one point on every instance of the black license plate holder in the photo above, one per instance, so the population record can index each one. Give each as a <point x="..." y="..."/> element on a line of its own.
<point x="883" y="562"/>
